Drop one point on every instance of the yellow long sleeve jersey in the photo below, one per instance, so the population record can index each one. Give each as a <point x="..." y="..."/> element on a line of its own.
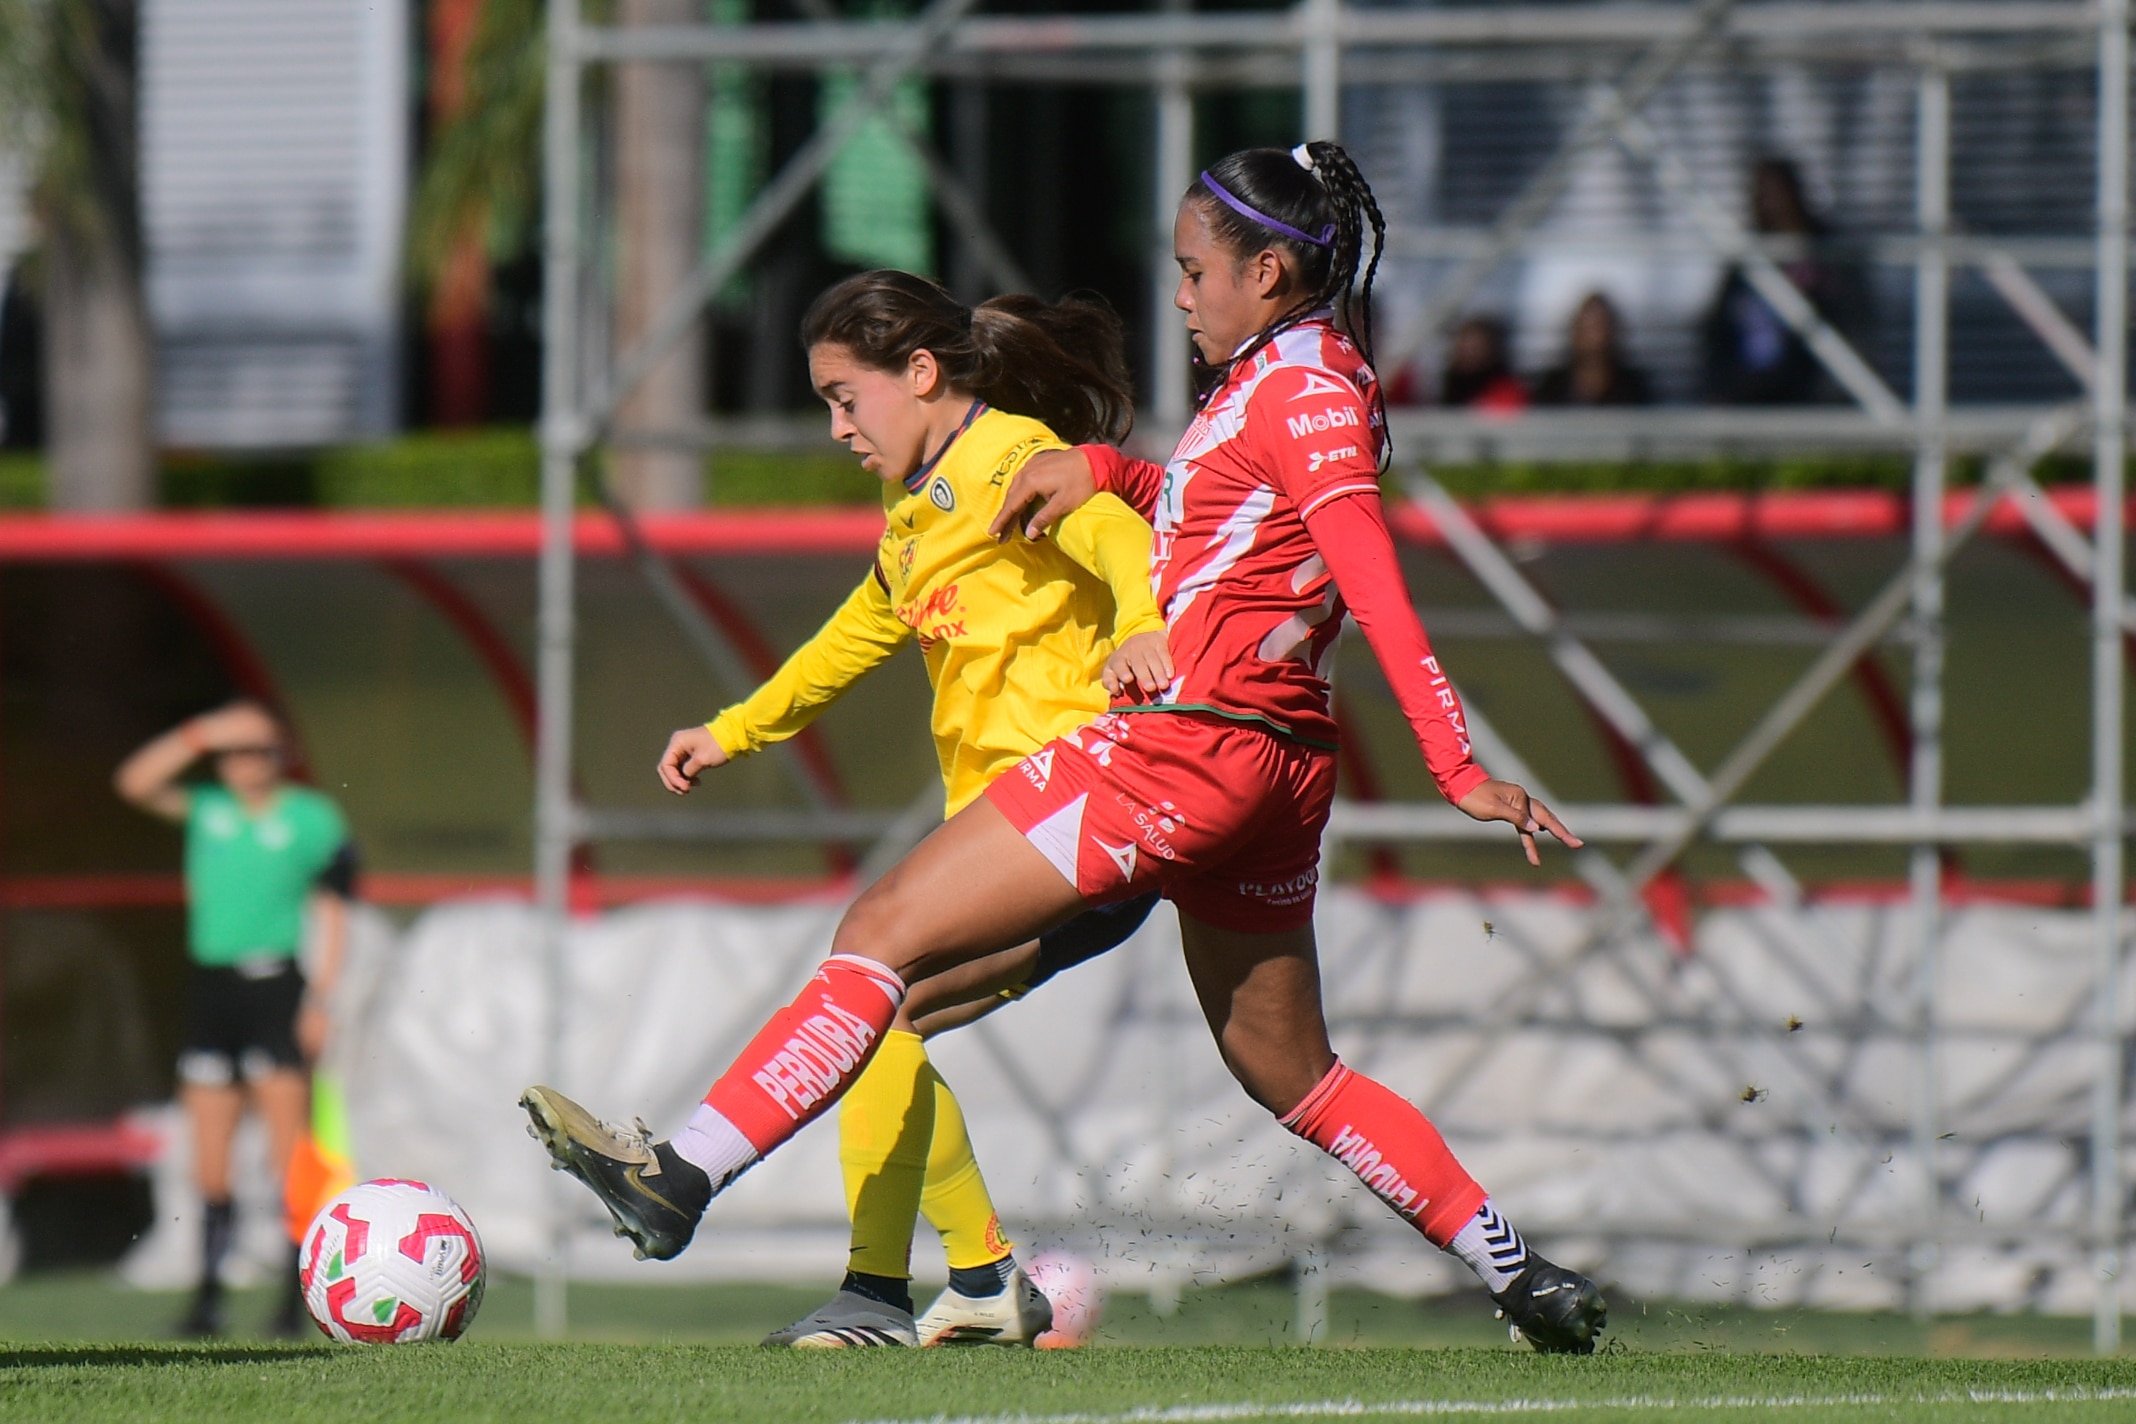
<point x="1014" y="634"/>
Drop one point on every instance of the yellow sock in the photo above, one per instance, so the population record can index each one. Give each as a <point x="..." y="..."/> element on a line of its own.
<point x="956" y="1199"/>
<point x="884" y="1126"/>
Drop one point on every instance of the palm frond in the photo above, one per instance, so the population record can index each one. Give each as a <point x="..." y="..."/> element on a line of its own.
<point x="484" y="171"/>
<point x="25" y="43"/>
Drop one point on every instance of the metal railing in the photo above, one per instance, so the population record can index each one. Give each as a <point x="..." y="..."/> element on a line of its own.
<point x="1322" y="45"/>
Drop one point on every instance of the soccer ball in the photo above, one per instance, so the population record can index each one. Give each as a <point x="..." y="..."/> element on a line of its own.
<point x="1071" y="1284"/>
<point x="389" y="1263"/>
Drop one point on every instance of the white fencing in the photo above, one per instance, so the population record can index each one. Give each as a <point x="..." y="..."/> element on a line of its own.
<point x="1601" y="1096"/>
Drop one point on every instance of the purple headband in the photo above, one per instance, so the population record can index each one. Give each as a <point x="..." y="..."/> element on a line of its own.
<point x="1327" y="234"/>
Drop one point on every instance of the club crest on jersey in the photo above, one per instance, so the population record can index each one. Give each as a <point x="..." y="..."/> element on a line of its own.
<point x="940" y="492"/>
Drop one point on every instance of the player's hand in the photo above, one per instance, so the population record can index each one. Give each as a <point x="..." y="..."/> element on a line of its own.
<point x="1052" y="485"/>
<point x="1504" y="801"/>
<point x="1142" y="664"/>
<point x="313" y="1029"/>
<point x="689" y="751"/>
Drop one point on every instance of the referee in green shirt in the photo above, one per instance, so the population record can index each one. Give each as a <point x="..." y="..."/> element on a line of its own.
<point x="259" y="851"/>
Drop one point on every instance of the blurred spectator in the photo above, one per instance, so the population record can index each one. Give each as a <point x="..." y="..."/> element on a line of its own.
<point x="1752" y="357"/>
<point x="259" y="851"/>
<point x="1594" y="371"/>
<point x="1479" y="370"/>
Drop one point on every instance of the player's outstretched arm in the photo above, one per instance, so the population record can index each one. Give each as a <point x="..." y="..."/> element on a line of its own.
<point x="1506" y="801"/>
<point x="1351" y="534"/>
<point x="856" y="639"/>
<point x="690" y="752"/>
<point x="1052" y="485"/>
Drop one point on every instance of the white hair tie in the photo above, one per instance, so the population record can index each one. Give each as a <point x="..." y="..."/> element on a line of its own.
<point x="1303" y="156"/>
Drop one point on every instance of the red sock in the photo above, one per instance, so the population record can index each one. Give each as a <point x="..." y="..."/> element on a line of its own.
<point x="1392" y="1147"/>
<point x="810" y="1053"/>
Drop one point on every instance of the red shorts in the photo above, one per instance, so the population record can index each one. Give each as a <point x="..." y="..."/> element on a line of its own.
<point x="1224" y="817"/>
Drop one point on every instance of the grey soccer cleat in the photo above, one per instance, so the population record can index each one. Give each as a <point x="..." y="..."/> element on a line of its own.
<point x="851" y="1321"/>
<point x="1557" y="1311"/>
<point x="655" y="1196"/>
<point x="1017" y="1315"/>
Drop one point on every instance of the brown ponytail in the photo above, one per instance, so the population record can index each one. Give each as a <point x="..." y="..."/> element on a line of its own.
<point x="1063" y="362"/>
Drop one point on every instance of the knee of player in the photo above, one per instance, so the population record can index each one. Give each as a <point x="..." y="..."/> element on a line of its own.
<point x="874" y="929"/>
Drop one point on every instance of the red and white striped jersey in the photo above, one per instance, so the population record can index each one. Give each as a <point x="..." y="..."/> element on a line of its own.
<point x="1252" y="612"/>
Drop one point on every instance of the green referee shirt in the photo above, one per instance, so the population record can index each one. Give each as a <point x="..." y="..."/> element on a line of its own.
<point x="247" y="876"/>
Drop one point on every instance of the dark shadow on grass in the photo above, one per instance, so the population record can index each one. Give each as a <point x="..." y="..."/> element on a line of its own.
<point x="28" y="1357"/>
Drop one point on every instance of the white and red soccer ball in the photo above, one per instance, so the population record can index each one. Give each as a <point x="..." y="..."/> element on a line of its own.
<point x="1071" y="1284"/>
<point x="389" y="1263"/>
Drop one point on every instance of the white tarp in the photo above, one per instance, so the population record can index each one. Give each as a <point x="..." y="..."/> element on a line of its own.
<point x="1599" y="1095"/>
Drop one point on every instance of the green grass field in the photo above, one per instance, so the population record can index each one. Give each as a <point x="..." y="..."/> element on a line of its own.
<point x="78" y="1348"/>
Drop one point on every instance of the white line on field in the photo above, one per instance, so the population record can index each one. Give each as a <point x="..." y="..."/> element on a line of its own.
<point x="1365" y="1408"/>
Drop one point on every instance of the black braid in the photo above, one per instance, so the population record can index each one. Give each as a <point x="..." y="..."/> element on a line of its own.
<point x="1270" y="181"/>
<point x="1354" y="208"/>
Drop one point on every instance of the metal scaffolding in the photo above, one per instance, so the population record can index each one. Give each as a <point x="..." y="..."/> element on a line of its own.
<point x="1319" y="47"/>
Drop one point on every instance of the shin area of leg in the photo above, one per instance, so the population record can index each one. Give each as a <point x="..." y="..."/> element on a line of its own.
<point x="973" y="887"/>
<point x="1393" y="1149"/>
<point x="1261" y="995"/>
<point x="956" y="1200"/>
<point x="885" y="1127"/>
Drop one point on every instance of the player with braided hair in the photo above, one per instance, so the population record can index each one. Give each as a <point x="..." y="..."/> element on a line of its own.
<point x="1316" y="183"/>
<point x="1214" y="789"/>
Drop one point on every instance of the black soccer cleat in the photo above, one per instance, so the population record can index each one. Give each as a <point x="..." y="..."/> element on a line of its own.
<point x="655" y="1196"/>
<point x="851" y="1321"/>
<point x="204" y="1320"/>
<point x="1559" y="1312"/>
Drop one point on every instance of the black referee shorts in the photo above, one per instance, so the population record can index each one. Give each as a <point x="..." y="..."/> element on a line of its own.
<point x="241" y="1022"/>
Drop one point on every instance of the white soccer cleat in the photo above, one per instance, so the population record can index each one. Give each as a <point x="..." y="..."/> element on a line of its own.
<point x="1017" y="1315"/>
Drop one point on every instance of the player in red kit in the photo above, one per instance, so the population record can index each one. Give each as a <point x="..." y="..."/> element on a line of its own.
<point x="1217" y="789"/>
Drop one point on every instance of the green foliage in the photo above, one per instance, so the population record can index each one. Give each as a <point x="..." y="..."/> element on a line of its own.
<point x="22" y="481"/>
<point x="190" y="480"/>
<point x="500" y="468"/>
<point x="472" y="468"/>
<point x="62" y="87"/>
<point x="745" y="477"/>
<point x="1616" y="477"/>
<point x="496" y="468"/>
<point x="25" y="42"/>
<point x="484" y="168"/>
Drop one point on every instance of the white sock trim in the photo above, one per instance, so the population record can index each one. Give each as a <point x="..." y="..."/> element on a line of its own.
<point x="1491" y="1247"/>
<point x="714" y="1144"/>
<point x="886" y="978"/>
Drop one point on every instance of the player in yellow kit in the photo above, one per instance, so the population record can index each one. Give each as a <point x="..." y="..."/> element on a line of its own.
<point x="1015" y="638"/>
